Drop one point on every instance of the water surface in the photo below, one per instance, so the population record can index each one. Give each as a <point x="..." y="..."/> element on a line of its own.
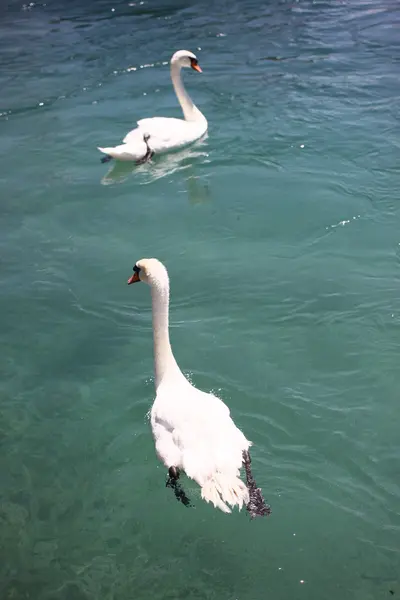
<point x="281" y="235"/>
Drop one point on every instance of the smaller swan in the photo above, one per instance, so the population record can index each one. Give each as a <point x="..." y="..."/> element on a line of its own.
<point x="193" y="431"/>
<point x="161" y="134"/>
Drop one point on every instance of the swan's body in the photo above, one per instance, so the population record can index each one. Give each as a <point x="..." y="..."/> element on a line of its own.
<point x="164" y="134"/>
<point x="193" y="430"/>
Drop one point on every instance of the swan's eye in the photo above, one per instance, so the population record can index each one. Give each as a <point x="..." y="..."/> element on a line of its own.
<point x="136" y="269"/>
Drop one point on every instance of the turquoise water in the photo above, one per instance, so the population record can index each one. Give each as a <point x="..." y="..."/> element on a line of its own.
<point x="281" y="235"/>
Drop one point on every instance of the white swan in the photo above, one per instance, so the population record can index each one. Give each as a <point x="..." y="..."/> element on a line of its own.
<point x="193" y="430"/>
<point x="160" y="134"/>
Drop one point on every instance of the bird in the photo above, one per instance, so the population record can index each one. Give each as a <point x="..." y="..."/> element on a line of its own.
<point x="193" y="430"/>
<point x="157" y="135"/>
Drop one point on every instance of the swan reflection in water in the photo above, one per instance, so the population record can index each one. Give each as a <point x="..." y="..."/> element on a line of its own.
<point x="164" y="165"/>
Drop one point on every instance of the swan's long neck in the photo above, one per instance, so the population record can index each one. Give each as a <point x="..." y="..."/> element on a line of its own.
<point x="190" y="110"/>
<point x="164" y="361"/>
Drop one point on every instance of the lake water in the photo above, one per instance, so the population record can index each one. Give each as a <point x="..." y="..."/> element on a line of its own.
<point x="281" y="234"/>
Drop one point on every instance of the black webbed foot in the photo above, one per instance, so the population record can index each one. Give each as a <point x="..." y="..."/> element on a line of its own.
<point x="106" y="158"/>
<point x="172" y="482"/>
<point x="256" y="507"/>
<point x="149" y="153"/>
<point x="173" y="473"/>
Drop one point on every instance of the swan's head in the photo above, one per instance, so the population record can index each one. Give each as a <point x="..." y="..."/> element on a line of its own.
<point x="184" y="58"/>
<point x="151" y="271"/>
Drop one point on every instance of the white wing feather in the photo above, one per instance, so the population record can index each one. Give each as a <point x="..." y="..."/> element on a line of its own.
<point x="197" y="434"/>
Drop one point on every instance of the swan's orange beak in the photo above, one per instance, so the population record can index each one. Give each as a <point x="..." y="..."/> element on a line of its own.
<point x="134" y="278"/>
<point x="195" y="65"/>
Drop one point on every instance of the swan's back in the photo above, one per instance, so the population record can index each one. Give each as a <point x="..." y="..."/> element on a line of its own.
<point x="198" y="429"/>
<point x="166" y="133"/>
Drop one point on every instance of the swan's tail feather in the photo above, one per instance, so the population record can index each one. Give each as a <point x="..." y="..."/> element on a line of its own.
<point x="127" y="152"/>
<point x="105" y="150"/>
<point x="222" y="490"/>
<point x="119" y="152"/>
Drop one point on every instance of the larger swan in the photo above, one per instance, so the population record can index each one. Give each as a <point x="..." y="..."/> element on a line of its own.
<point x="193" y="430"/>
<point x="160" y="134"/>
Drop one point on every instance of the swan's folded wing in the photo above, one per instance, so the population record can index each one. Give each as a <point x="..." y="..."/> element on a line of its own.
<point x="211" y="442"/>
<point x="211" y="447"/>
<point x="165" y="127"/>
<point x="133" y="136"/>
<point x="199" y="429"/>
<point x="167" y="451"/>
<point x="164" y="132"/>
